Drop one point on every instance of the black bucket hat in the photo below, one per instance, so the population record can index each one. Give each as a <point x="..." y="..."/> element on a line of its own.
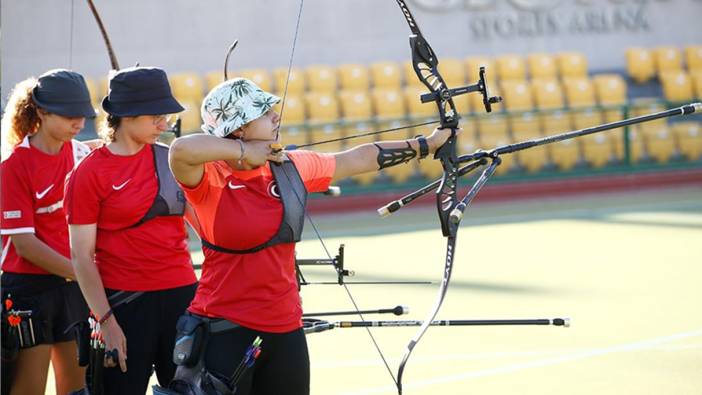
<point x="63" y="92"/>
<point x="138" y="91"/>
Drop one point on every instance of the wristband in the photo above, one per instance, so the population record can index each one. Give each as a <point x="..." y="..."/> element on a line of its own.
<point x="423" y="147"/>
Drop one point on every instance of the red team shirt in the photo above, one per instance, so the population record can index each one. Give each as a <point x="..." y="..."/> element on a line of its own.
<point x="115" y="192"/>
<point x="32" y="202"/>
<point x="240" y="210"/>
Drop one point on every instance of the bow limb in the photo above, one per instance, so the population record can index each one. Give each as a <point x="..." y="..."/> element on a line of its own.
<point x="105" y="37"/>
<point x="425" y="62"/>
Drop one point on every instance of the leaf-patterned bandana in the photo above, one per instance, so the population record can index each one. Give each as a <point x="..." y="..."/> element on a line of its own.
<point x="232" y="104"/>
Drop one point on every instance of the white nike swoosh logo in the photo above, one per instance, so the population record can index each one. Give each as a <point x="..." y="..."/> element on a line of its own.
<point x="44" y="192"/>
<point x="118" y="187"/>
<point x="232" y="186"/>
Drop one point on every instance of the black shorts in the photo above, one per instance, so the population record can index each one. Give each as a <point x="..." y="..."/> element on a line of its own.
<point x="54" y="302"/>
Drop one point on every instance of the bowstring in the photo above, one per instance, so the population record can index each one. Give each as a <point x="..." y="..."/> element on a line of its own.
<point x="307" y="215"/>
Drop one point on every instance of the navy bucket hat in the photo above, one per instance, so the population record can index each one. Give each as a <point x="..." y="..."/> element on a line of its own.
<point x="63" y="92"/>
<point x="138" y="91"/>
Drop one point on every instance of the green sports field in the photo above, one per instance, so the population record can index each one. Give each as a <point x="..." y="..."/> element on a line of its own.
<point x="626" y="268"/>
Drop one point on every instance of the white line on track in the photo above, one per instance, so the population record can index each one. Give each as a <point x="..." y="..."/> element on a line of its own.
<point x="654" y="343"/>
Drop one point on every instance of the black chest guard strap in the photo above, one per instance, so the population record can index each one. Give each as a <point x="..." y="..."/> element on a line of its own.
<point x="170" y="199"/>
<point x="293" y="196"/>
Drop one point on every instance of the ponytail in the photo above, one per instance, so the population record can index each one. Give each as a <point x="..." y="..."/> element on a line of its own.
<point x="21" y="116"/>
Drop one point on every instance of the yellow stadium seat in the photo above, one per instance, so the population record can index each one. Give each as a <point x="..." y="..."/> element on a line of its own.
<point x="355" y="105"/>
<point x="572" y="64"/>
<point x="580" y="92"/>
<point x="386" y="75"/>
<point x="516" y="95"/>
<point x="693" y="57"/>
<point x="462" y="103"/>
<point x="295" y="83"/>
<point x="640" y="65"/>
<point x="696" y="76"/>
<point x="416" y="108"/>
<point x="187" y="86"/>
<point x="667" y="59"/>
<point x="661" y="144"/>
<point x="213" y="78"/>
<point x="473" y="64"/>
<point x="689" y="138"/>
<point x="321" y="78"/>
<point x="190" y="118"/>
<point x="586" y="118"/>
<point x="321" y="107"/>
<point x="610" y="89"/>
<point x="453" y="72"/>
<point x="260" y="77"/>
<point x="564" y="154"/>
<point x="292" y="110"/>
<point x="548" y="94"/>
<point x="354" y="77"/>
<point x="525" y="127"/>
<point x="555" y="122"/>
<point x="597" y="149"/>
<point x="491" y="125"/>
<point x="401" y="173"/>
<point x="295" y="135"/>
<point x="323" y="133"/>
<point x="511" y="67"/>
<point x="677" y="86"/>
<point x="542" y="66"/>
<point x="388" y="103"/>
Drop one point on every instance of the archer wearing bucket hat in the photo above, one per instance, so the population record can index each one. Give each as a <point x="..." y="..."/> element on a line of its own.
<point x="250" y="212"/>
<point x="40" y="121"/>
<point x="114" y="202"/>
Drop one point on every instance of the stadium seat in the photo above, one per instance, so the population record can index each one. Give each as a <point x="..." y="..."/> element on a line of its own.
<point x="564" y="154"/>
<point x="542" y="66"/>
<point x="321" y="107"/>
<point x="295" y="84"/>
<point x="354" y="77"/>
<point x="580" y="92"/>
<point x="190" y="118"/>
<point x="213" y="78"/>
<point x="355" y="105"/>
<point x="260" y="77"/>
<point x="597" y="149"/>
<point x="95" y="94"/>
<point x="693" y="57"/>
<point x="323" y="133"/>
<point x="610" y="89"/>
<point x="586" y="118"/>
<point x="473" y="64"/>
<point x="667" y="59"/>
<point x="572" y="64"/>
<point x="416" y="108"/>
<point x="548" y="94"/>
<point x="660" y="145"/>
<point x="491" y="124"/>
<point x="689" y="139"/>
<point x="388" y="103"/>
<point x="510" y="67"/>
<point x="453" y="72"/>
<point x="517" y="95"/>
<point x="321" y="78"/>
<point x="294" y="110"/>
<point x="462" y="103"/>
<point x="386" y="75"/>
<point x="296" y="135"/>
<point x="677" y="86"/>
<point x="526" y="126"/>
<point x="640" y="65"/>
<point x="187" y="86"/>
<point x="696" y="76"/>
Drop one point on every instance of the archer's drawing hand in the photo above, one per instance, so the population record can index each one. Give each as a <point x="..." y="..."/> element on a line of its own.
<point x="258" y="152"/>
